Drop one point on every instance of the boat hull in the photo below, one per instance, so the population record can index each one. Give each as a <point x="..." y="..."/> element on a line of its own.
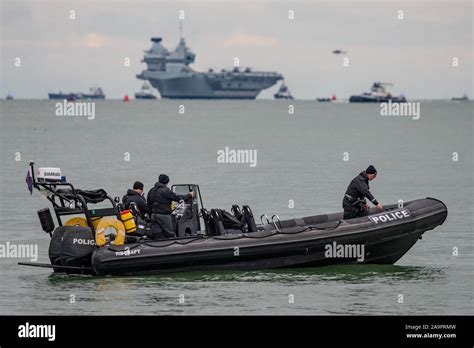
<point x="283" y="96"/>
<point x="92" y="96"/>
<point x="63" y="96"/>
<point x="372" y="99"/>
<point x="74" y="96"/>
<point x="293" y="246"/>
<point x="145" y="96"/>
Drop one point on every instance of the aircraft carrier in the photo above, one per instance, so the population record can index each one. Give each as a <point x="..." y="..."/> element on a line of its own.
<point x="170" y="73"/>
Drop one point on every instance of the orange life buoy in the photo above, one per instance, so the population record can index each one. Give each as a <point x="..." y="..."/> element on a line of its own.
<point x="105" y="223"/>
<point x="76" y="221"/>
<point x="80" y="221"/>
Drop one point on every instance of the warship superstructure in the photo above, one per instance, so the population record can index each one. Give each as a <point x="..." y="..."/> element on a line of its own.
<point x="170" y="73"/>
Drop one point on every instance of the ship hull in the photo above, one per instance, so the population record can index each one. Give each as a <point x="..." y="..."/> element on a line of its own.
<point x="372" y="99"/>
<point x="197" y="88"/>
<point x="206" y="86"/>
<point x="145" y="96"/>
<point x="279" y="96"/>
<point x="88" y="96"/>
<point x="63" y="96"/>
<point x="74" y="96"/>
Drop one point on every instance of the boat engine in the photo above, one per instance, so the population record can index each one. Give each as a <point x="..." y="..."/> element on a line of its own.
<point x="72" y="246"/>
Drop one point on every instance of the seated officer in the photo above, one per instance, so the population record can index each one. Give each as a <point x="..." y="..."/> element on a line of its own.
<point x="136" y="195"/>
<point x="354" y="199"/>
<point x="159" y="200"/>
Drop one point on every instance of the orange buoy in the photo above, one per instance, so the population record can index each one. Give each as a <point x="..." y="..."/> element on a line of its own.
<point x="118" y="226"/>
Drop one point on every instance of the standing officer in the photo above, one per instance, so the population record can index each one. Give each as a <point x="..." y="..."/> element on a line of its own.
<point x="159" y="204"/>
<point x="354" y="203"/>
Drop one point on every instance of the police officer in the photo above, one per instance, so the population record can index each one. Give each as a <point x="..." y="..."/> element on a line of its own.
<point x="159" y="200"/>
<point x="354" y="203"/>
<point x="136" y="195"/>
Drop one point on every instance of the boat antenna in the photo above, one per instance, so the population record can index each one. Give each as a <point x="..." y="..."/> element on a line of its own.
<point x="44" y="146"/>
<point x="180" y="29"/>
<point x="34" y="144"/>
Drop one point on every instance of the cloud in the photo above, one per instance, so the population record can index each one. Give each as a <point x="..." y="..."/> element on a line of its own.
<point x="94" y="40"/>
<point x="90" y="40"/>
<point x="249" y="40"/>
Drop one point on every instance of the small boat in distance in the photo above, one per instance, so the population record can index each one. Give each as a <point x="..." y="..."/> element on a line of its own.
<point x="377" y="94"/>
<point x="463" y="98"/>
<point x="283" y="92"/>
<point x="146" y="92"/>
<point x="61" y="95"/>
<point x="94" y="93"/>
<point x="333" y="98"/>
<point x="9" y="97"/>
<point x="71" y="97"/>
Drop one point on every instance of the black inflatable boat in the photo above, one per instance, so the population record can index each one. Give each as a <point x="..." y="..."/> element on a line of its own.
<point x="228" y="241"/>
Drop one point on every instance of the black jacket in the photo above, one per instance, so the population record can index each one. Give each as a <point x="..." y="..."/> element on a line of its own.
<point x="133" y="196"/>
<point x="159" y="199"/>
<point x="358" y="189"/>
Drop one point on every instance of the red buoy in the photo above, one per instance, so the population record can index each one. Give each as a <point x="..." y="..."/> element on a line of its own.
<point x="125" y="99"/>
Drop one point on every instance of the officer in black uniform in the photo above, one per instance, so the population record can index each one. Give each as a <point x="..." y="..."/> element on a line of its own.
<point x="159" y="200"/>
<point x="354" y="203"/>
<point x="136" y="196"/>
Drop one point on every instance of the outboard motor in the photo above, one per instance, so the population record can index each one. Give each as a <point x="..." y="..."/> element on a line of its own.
<point x="72" y="246"/>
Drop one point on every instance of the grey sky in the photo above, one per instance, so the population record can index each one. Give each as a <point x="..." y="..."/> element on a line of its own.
<point x="415" y="53"/>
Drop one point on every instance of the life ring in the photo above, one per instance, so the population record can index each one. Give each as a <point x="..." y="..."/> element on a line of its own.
<point x="76" y="221"/>
<point x="106" y="223"/>
<point x="80" y="221"/>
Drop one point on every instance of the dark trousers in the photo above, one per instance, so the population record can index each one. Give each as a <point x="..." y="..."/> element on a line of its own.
<point x="162" y="226"/>
<point x="354" y="209"/>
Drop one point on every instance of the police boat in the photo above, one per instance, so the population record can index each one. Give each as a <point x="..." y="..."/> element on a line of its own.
<point x="107" y="240"/>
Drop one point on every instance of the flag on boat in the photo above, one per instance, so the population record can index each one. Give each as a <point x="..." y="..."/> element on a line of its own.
<point x="29" y="181"/>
